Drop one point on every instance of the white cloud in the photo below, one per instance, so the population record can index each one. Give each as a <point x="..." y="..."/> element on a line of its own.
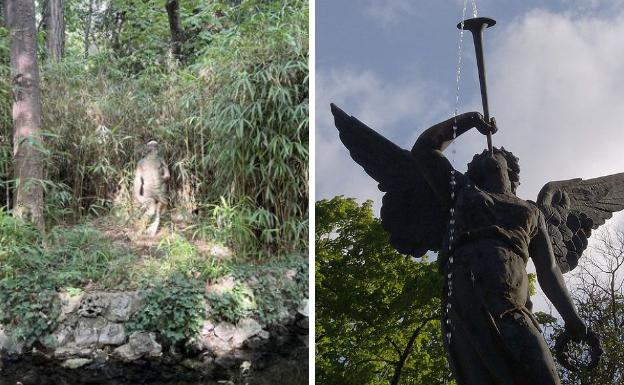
<point x="556" y="84"/>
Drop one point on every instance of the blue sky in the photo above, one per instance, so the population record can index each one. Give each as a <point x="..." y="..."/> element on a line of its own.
<point x="555" y="80"/>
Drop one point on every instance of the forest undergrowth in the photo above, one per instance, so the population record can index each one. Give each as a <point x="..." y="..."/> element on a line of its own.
<point x="231" y="120"/>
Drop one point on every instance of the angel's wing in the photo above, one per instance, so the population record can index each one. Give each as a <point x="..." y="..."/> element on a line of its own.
<point x="573" y="208"/>
<point x="410" y="213"/>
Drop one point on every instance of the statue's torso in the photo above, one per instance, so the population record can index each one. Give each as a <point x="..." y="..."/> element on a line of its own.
<point x="493" y="234"/>
<point x="483" y="215"/>
<point x="151" y="170"/>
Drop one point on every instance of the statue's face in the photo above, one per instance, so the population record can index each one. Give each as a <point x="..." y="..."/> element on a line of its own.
<point x="152" y="149"/>
<point x="496" y="175"/>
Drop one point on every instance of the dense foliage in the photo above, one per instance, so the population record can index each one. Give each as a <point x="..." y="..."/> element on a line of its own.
<point x="174" y="309"/>
<point x="232" y="117"/>
<point x="377" y="312"/>
<point x="175" y="281"/>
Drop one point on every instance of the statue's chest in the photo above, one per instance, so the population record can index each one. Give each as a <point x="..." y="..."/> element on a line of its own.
<point x="477" y="208"/>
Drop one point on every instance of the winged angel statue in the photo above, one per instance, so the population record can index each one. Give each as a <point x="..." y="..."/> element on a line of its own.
<point x="485" y="235"/>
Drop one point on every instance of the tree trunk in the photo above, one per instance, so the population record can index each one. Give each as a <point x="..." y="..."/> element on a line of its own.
<point x="177" y="33"/>
<point x="398" y="369"/>
<point x="55" y="29"/>
<point x="87" y="30"/>
<point x="27" y="142"/>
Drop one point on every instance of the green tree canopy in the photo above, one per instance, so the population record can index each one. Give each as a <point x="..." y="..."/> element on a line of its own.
<point x="377" y="312"/>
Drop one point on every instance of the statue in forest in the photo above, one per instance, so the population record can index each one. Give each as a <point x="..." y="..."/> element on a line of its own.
<point x="484" y="235"/>
<point x="150" y="189"/>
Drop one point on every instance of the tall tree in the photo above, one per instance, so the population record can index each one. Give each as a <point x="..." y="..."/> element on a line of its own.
<point x="177" y="33"/>
<point x="27" y="156"/>
<point x="54" y="21"/>
<point x="377" y="312"/>
<point x="87" y="28"/>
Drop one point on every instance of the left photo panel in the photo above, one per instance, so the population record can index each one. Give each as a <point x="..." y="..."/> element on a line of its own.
<point x="154" y="192"/>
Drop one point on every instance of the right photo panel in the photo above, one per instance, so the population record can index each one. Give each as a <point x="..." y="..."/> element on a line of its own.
<point x="469" y="183"/>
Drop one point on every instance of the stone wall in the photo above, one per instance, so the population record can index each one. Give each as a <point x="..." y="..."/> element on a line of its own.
<point x="92" y="334"/>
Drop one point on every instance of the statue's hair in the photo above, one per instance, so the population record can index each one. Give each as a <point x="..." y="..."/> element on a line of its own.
<point x="151" y="147"/>
<point x="475" y="169"/>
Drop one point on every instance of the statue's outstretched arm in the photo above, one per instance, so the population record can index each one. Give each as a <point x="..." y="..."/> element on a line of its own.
<point x="551" y="280"/>
<point x="428" y="148"/>
<point x="439" y="136"/>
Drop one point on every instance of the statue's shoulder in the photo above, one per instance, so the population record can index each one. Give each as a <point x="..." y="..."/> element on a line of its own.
<point x="145" y="164"/>
<point x="530" y="205"/>
<point x="533" y="204"/>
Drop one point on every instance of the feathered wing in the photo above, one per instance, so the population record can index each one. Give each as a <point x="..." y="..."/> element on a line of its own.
<point x="573" y="208"/>
<point x="410" y="213"/>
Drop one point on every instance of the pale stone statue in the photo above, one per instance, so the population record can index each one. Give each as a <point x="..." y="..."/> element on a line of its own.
<point x="150" y="189"/>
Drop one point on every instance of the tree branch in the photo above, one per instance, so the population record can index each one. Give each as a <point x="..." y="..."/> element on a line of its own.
<point x="406" y="352"/>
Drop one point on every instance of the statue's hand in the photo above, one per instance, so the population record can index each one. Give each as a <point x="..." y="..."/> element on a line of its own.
<point x="576" y="329"/>
<point x="576" y="333"/>
<point x="485" y="127"/>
